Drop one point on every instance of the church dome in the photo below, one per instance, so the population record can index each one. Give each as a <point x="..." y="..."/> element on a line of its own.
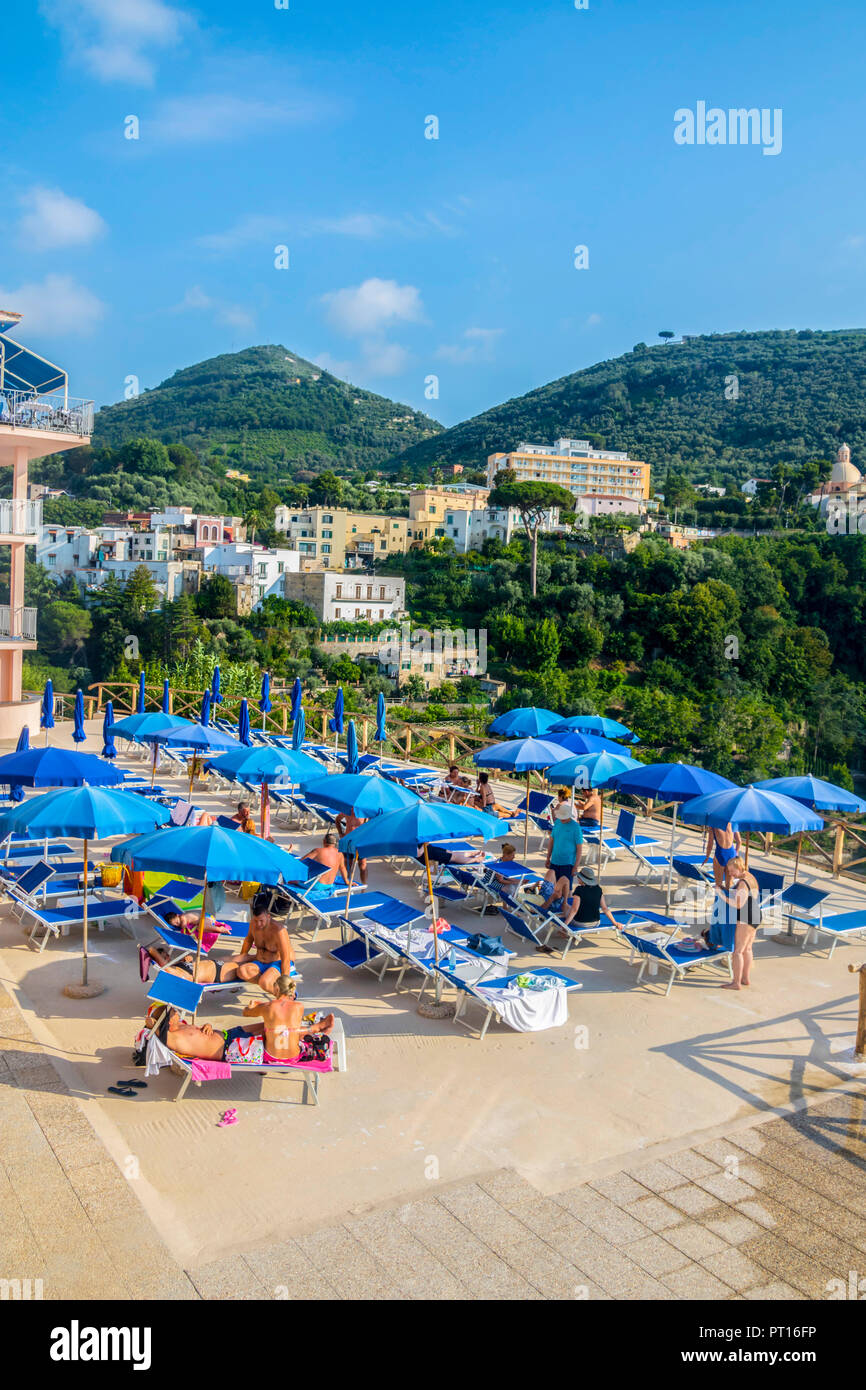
<point x="844" y="472"/>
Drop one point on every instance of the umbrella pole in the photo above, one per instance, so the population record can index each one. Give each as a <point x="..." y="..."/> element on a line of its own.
<point x="153" y="767"/>
<point x="349" y="895"/>
<point x="84" y="919"/>
<point x="748" y="834"/>
<point x="525" y="821"/>
<point x="797" y="860"/>
<point x="201" y="922"/>
<point x="432" y="923"/>
<point x="671" y="863"/>
<point x="265" y="810"/>
<point x="600" y="830"/>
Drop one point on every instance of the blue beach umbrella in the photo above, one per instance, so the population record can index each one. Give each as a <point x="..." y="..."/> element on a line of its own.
<point x="78" y="733"/>
<point x="817" y="794"/>
<point x="521" y="755"/>
<point x="204" y="716"/>
<point x="46" y="716"/>
<point x="676" y="782"/>
<point x="592" y="770"/>
<point x="351" y="748"/>
<point x="366" y="796"/>
<point x="296" y="699"/>
<point x="140" y="727"/>
<point x="271" y="765"/>
<point x="216" y="697"/>
<point x="573" y="741"/>
<point x="528" y="722"/>
<point x="381" y="732"/>
<point x="244" y="724"/>
<point x="57" y="767"/>
<point x="265" y="697"/>
<point x="199" y="738"/>
<point x="595" y="724"/>
<point x="88" y="813"/>
<point x="752" y="808"/>
<point x="298" y="731"/>
<point x="139" y="709"/>
<point x="166" y="697"/>
<point x="108" y="749"/>
<point x="336" y="724"/>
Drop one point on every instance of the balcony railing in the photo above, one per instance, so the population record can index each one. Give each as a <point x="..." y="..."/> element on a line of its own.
<point x="18" y="622"/>
<point x="19" y="517"/>
<point x="59" y="414"/>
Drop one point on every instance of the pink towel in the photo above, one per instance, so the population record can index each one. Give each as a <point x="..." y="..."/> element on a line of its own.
<point x="208" y="938"/>
<point x="210" y="1071"/>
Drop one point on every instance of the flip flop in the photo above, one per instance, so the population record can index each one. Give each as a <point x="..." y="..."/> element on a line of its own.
<point x="230" y="1117"/>
<point x="121" y="1091"/>
<point x="139" y="1085"/>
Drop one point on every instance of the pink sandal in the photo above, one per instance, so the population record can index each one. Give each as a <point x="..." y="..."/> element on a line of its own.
<point x="230" y="1117"/>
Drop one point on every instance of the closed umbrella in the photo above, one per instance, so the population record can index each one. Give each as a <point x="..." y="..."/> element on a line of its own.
<point x="166" y="697"/>
<point x="139" y="709"/>
<point x="336" y="724"/>
<point x="209" y="854"/>
<point x="592" y="770"/>
<point x="527" y="722"/>
<point x="16" y="791"/>
<point x="89" y="813"/>
<point x="298" y="731"/>
<point x="381" y="732"/>
<point x="296" y="699"/>
<point x="351" y="748"/>
<point x="244" y="724"/>
<point x="521" y="755"/>
<point x="108" y="749"/>
<point x="204" y="716"/>
<point x="676" y="782"/>
<point x="78" y="733"/>
<point x="46" y="715"/>
<point x="265" y="698"/>
<point x="595" y="724"/>
<point x="216" y="697"/>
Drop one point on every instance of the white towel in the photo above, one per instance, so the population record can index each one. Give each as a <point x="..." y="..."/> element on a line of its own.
<point x="157" y="1056"/>
<point x="529" y="1010"/>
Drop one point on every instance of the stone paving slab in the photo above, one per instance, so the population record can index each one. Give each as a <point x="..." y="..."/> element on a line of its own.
<point x="775" y="1210"/>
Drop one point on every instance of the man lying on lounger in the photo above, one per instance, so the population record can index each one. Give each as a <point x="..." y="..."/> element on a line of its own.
<point x="283" y="1035"/>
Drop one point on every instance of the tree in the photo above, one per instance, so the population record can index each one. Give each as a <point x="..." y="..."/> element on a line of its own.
<point x="64" y="629"/>
<point x="533" y="501"/>
<point x="666" y="334"/>
<point x="414" y="687"/>
<point x="140" y="597"/>
<point x="217" y="597"/>
<point x="327" y="490"/>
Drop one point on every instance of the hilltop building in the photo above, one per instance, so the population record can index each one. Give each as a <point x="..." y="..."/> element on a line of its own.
<point x="575" y="465"/>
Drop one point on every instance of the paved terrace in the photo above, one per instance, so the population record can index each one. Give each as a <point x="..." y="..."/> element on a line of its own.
<point x="637" y="1152"/>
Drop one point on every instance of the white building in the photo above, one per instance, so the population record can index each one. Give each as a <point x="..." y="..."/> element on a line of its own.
<point x="336" y="596"/>
<point x="602" y="504"/>
<point x="251" y="566"/>
<point x="751" y="485"/>
<point x="471" y="528"/>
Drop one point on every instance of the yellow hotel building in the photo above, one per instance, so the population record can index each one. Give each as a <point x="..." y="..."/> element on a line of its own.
<point x="574" y="464"/>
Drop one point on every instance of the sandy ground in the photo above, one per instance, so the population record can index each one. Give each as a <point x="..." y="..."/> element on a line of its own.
<point x="425" y="1099"/>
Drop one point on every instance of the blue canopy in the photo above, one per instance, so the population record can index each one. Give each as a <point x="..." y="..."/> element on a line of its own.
<point x="299" y="730"/>
<point x="166" y="697"/>
<point x="590" y="769"/>
<point x="366" y="796"/>
<point x="204" y="716"/>
<point x="751" y="808"/>
<point x="296" y="699"/>
<point x="351" y="748"/>
<point x="336" y="724"/>
<point x="671" y="781"/>
<point x="46" y="718"/>
<point x="216" y="697"/>
<point x="381" y="733"/>
<point x="88" y="813"/>
<point x="271" y="765"/>
<point x="208" y="852"/>
<point x="595" y="724"/>
<point x="141" y="727"/>
<point x="78" y="733"/>
<point x="244" y="724"/>
<point x="203" y="738"/>
<point x="811" y="791"/>
<point x="265" y="697"/>
<point x="401" y="832"/>
<point x="57" y="767"/>
<point x="575" y="742"/>
<point x="527" y="722"/>
<point x="139" y="709"/>
<point x="108" y="749"/>
<point x="16" y="791"/>
<point x="520" y="755"/>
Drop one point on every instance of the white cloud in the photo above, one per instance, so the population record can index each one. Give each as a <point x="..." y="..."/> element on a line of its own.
<point x="213" y="116"/>
<point x="254" y="227"/>
<point x="592" y="320"/>
<point x="476" y="345"/>
<point x="234" y="315"/>
<point x="370" y="307"/>
<point x="52" y="219"/>
<point x="378" y="358"/>
<point x="55" y="306"/>
<point x="114" y="39"/>
<point x="854" y="241"/>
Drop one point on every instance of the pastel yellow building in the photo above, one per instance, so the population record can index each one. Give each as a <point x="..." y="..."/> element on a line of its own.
<point x="575" y="465"/>
<point x="335" y="538"/>
<point x="428" y="507"/>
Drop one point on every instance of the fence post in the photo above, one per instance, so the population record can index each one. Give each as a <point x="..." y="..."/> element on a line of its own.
<point x="285" y="720"/>
<point x="860" y="1042"/>
<point x="408" y="749"/>
<point x="365" y="726"/>
<point x="838" y="847"/>
<point x="452" y="749"/>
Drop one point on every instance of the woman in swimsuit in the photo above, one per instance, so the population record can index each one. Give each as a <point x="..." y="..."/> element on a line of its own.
<point x="743" y="897"/>
<point x="723" y="844"/>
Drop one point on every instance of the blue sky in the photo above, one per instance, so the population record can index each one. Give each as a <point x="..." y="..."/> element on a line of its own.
<point x="411" y="257"/>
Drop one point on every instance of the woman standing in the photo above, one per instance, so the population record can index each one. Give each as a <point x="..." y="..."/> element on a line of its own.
<point x="743" y="896"/>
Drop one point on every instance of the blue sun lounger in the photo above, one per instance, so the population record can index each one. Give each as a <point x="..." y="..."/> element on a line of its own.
<point x="56" y="921"/>
<point x="181" y="946"/>
<point x="674" y="958"/>
<point x="839" y="926"/>
<point x="469" y="985"/>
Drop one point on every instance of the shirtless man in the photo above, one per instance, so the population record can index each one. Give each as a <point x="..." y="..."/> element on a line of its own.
<point x="283" y="1020"/>
<point x="329" y="855"/>
<point x="347" y="822"/>
<point x="724" y="844"/>
<point x="273" y="952"/>
<point x="455" y="780"/>
<point x="188" y="1040"/>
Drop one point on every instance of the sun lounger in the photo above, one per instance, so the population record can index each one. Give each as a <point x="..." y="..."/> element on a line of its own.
<point x="40" y="884"/>
<point x="489" y="993"/>
<point x="838" y="926"/>
<point x="661" y="949"/>
<point x="324" y="907"/>
<point x="56" y="921"/>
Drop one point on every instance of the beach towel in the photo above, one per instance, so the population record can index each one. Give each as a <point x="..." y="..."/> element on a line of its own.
<point x="529" y="1010"/>
<point x="209" y="1071"/>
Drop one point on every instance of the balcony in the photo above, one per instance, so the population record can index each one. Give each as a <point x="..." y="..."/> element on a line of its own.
<point x="19" y="518"/>
<point x="18" y="624"/>
<point x="52" y="414"/>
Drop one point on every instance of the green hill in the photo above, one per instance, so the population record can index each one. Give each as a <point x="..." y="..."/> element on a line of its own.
<point x="800" y="394"/>
<point x="267" y="412"/>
